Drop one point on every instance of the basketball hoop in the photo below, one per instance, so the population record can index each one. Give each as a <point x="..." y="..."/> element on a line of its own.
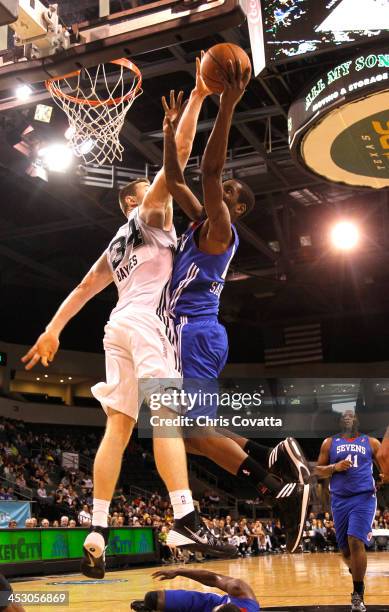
<point x="96" y="102"/>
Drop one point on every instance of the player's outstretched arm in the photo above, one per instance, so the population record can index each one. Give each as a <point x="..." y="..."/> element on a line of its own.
<point x="158" y="196"/>
<point x="45" y="348"/>
<point x="175" y="179"/>
<point x="232" y="586"/>
<point x="215" y="155"/>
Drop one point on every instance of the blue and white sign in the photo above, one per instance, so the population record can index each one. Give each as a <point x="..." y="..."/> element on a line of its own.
<point x="14" y="511"/>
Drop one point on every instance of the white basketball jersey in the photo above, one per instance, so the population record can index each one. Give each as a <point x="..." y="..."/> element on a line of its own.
<point x="141" y="259"/>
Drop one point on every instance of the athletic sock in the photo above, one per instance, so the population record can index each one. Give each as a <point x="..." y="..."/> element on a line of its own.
<point x="100" y="512"/>
<point x="257" y="451"/>
<point x="359" y="587"/>
<point x="254" y="472"/>
<point x="182" y="503"/>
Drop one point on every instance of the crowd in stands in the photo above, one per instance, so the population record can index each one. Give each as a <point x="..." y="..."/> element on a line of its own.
<point x="64" y="496"/>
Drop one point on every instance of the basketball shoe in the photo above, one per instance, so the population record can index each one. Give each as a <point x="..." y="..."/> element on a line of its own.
<point x="357" y="604"/>
<point x="292" y="503"/>
<point x="190" y="532"/>
<point x="93" y="562"/>
<point x="287" y="461"/>
<point x="139" y="606"/>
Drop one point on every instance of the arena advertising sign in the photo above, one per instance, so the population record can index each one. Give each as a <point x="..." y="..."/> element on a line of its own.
<point x="14" y="511"/>
<point x="23" y="545"/>
<point x="339" y="126"/>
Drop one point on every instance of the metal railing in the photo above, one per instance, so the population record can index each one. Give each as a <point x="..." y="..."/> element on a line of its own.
<point x="24" y="492"/>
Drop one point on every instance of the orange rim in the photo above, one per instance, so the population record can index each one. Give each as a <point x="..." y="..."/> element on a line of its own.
<point x="54" y="89"/>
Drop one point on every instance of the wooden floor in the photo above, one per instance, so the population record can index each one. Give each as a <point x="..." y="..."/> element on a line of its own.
<point x="278" y="580"/>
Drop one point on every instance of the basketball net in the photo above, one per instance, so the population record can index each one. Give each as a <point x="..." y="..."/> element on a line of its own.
<point x="96" y="102"/>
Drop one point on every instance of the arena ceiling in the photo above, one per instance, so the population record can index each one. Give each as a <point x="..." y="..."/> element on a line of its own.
<point x="51" y="232"/>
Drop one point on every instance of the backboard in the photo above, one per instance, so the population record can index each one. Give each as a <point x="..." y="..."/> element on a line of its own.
<point x="51" y="42"/>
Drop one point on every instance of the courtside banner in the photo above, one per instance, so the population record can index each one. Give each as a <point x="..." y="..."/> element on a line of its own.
<point x="258" y="408"/>
<point x="14" y="511"/>
<point x="23" y="545"/>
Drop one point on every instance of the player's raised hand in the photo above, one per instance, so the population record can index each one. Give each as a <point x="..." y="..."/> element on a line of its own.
<point x="44" y="350"/>
<point x="235" y="82"/>
<point x="200" y="88"/>
<point x="343" y="466"/>
<point x="173" y="111"/>
<point x="165" y="574"/>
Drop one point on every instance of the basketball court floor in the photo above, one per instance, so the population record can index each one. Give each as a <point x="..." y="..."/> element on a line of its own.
<point x="299" y="583"/>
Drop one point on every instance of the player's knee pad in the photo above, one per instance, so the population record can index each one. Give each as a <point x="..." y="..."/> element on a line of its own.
<point x="151" y="600"/>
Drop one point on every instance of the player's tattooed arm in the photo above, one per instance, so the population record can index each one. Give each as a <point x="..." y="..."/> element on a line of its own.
<point x="232" y="586"/>
<point x="324" y="469"/>
<point x="175" y="179"/>
<point x="46" y="347"/>
<point x="215" y="156"/>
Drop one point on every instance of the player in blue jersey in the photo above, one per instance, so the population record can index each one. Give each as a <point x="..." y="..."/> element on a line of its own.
<point x="347" y="459"/>
<point x="200" y="268"/>
<point x="239" y="595"/>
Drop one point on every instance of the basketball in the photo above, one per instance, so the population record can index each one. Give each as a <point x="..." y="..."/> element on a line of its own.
<point x="215" y="61"/>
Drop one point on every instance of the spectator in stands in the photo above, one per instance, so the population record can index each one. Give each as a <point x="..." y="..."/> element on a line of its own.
<point x="29" y="523"/>
<point x="55" y="523"/>
<point x="45" y="523"/>
<point x="41" y="492"/>
<point x="85" y="517"/>
<point x="20" y="480"/>
<point x="72" y="524"/>
<point x="34" y="521"/>
<point x="319" y="535"/>
<point x="12" y="524"/>
<point x="167" y="552"/>
<point x="279" y="536"/>
<point x="64" y="521"/>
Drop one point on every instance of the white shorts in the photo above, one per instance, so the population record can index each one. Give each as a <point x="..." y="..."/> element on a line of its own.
<point x="136" y="347"/>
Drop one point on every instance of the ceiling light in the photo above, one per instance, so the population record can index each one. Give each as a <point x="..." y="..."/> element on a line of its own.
<point x="345" y="235"/>
<point x="56" y="157"/>
<point x="23" y="92"/>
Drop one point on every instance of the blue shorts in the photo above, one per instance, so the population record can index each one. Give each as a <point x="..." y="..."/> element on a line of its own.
<point x="192" y="601"/>
<point x="354" y="516"/>
<point x="202" y="345"/>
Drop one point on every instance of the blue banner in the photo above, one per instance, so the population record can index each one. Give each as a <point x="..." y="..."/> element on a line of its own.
<point x="14" y="511"/>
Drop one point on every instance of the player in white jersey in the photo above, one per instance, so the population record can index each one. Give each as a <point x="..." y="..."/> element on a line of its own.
<point x="137" y="344"/>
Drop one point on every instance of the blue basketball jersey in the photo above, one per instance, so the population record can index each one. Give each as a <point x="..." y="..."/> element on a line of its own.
<point x="198" y="278"/>
<point x="193" y="601"/>
<point x="359" y="478"/>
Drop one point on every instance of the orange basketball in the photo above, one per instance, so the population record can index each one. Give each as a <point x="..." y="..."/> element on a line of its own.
<point x="215" y="62"/>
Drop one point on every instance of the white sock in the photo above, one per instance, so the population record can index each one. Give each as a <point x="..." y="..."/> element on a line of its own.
<point x="100" y="512"/>
<point x="182" y="502"/>
<point x="95" y="543"/>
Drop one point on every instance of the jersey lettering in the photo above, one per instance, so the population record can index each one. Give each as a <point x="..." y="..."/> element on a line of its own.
<point x="119" y="246"/>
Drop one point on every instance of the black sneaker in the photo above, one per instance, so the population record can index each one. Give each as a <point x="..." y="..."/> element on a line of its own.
<point x="91" y="566"/>
<point x="287" y="461"/>
<point x="139" y="606"/>
<point x="357" y="603"/>
<point x="190" y="532"/>
<point x="292" y="502"/>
